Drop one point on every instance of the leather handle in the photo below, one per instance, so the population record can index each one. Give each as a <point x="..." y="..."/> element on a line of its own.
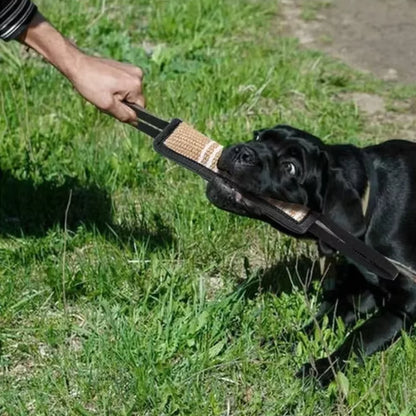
<point x="145" y="116"/>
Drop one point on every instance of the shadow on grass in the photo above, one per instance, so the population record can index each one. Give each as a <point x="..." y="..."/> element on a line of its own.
<point x="282" y="277"/>
<point x="32" y="209"/>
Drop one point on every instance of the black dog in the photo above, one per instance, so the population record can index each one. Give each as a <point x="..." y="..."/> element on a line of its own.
<point x="371" y="192"/>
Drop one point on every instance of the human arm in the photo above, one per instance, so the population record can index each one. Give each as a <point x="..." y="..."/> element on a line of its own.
<point x="103" y="82"/>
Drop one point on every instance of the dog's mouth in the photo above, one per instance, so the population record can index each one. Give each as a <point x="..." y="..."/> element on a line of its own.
<point x="230" y="183"/>
<point x="224" y="194"/>
<point x="227" y="185"/>
<point x="235" y="185"/>
<point x="239" y="171"/>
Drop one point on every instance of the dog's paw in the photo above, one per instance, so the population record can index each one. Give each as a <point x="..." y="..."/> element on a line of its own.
<point x="323" y="370"/>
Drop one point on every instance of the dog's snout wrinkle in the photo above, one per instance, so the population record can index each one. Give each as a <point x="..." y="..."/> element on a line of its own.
<point x="244" y="155"/>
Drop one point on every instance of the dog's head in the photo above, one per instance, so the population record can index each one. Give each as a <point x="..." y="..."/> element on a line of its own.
<point x="286" y="164"/>
<point x="282" y="163"/>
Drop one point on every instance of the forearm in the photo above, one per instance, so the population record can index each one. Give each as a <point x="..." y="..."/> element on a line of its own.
<point x="105" y="83"/>
<point x="51" y="44"/>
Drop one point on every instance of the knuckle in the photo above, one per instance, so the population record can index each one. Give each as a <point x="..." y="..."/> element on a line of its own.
<point x="137" y="84"/>
<point x="107" y="105"/>
<point x="139" y="72"/>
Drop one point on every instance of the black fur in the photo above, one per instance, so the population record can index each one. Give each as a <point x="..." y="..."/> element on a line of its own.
<point x="291" y="165"/>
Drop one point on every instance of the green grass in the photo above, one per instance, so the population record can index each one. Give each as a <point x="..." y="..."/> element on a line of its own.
<point x="144" y="299"/>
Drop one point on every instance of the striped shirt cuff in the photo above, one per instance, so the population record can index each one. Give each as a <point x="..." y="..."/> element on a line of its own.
<point x="15" y="16"/>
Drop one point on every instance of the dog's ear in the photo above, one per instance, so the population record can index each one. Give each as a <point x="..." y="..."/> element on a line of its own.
<point x="342" y="203"/>
<point x="257" y="134"/>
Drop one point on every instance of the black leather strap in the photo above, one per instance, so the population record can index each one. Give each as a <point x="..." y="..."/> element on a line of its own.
<point x="352" y="247"/>
<point x="316" y="224"/>
<point x="275" y="214"/>
<point x="148" y="123"/>
<point x="147" y="129"/>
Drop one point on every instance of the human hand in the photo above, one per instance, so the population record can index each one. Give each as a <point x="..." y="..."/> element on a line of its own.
<point x="103" y="82"/>
<point x="107" y="83"/>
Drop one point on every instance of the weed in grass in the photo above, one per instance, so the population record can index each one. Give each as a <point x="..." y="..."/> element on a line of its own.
<point x="149" y="300"/>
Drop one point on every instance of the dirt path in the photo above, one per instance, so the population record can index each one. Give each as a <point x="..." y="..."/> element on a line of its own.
<point x="377" y="36"/>
<point x="372" y="35"/>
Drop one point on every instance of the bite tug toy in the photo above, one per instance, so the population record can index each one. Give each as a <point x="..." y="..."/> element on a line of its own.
<point x="178" y="141"/>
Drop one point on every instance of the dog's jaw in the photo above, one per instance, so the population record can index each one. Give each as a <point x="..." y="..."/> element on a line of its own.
<point x="224" y="195"/>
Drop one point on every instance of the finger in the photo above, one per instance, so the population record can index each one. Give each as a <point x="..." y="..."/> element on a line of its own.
<point x="140" y="100"/>
<point x="133" y="70"/>
<point x="123" y="113"/>
<point x="135" y="97"/>
<point x="135" y="94"/>
<point x="137" y="72"/>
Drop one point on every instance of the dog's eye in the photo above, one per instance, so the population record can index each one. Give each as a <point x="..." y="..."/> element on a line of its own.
<point x="290" y="168"/>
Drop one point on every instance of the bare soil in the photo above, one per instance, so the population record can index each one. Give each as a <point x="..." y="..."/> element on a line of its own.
<point x="376" y="36"/>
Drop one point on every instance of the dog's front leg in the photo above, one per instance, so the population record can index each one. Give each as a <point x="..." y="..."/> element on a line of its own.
<point x="345" y="295"/>
<point x="374" y="335"/>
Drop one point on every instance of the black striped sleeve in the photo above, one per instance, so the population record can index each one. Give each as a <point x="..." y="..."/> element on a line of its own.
<point x="15" y="16"/>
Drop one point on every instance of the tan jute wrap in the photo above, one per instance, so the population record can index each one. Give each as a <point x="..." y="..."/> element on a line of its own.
<point x="192" y="144"/>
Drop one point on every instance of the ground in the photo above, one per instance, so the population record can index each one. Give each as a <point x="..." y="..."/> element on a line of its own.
<point x="377" y="37"/>
<point x="373" y="36"/>
<point x="122" y="290"/>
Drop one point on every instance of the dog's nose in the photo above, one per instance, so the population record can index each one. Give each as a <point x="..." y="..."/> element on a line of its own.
<point x="244" y="155"/>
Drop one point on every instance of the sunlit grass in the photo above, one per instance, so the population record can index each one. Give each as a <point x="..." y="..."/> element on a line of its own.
<point x="146" y="300"/>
